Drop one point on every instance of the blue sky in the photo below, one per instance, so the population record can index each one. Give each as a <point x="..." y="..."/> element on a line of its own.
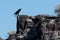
<point x="29" y="7"/>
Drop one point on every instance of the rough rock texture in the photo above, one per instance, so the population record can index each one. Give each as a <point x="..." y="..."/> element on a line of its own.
<point x="36" y="28"/>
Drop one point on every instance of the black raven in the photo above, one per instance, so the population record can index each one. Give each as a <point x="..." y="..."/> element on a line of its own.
<point x="17" y="12"/>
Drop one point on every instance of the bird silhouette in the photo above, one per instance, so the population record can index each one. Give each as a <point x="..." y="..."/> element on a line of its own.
<point x="17" y="12"/>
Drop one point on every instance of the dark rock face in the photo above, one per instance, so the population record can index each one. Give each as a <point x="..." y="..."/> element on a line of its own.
<point x="31" y="28"/>
<point x="20" y="23"/>
<point x="34" y="27"/>
<point x="28" y="28"/>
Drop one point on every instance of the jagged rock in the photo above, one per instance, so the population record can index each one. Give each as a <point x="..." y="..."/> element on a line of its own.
<point x="39" y="27"/>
